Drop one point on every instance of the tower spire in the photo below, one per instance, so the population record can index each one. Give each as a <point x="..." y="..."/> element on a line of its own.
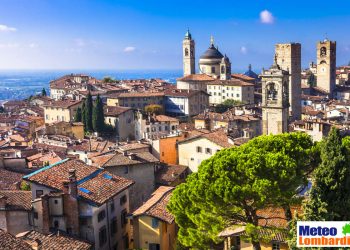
<point x="211" y="40"/>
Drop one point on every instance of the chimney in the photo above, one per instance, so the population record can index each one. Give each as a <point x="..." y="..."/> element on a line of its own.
<point x="45" y="213"/>
<point x="72" y="185"/>
<point x="36" y="244"/>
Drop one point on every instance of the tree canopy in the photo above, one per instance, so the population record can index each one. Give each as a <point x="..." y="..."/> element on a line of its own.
<point x="98" y="119"/>
<point x="227" y="104"/>
<point x="43" y="92"/>
<point x="108" y="79"/>
<point x="231" y="186"/>
<point x="154" y="109"/>
<point x="78" y="115"/>
<point x="88" y="113"/>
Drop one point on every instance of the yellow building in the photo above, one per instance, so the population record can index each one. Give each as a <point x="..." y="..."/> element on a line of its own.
<point x="71" y="129"/>
<point x="61" y="110"/>
<point x="154" y="226"/>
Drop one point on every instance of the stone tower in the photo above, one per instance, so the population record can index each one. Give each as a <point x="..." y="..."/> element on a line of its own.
<point x="225" y="68"/>
<point x="326" y="65"/>
<point x="289" y="59"/>
<point x="275" y="100"/>
<point x="188" y="47"/>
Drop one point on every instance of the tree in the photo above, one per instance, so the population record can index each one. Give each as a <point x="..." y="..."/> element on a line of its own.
<point x="154" y="109"/>
<point x="108" y="79"/>
<point x="98" y="119"/>
<point x="227" y="104"/>
<point x="231" y="186"/>
<point x="88" y="112"/>
<point x="330" y="194"/>
<point x="78" y="115"/>
<point x="83" y="116"/>
<point x="25" y="186"/>
<point x="311" y="80"/>
<point x="43" y="92"/>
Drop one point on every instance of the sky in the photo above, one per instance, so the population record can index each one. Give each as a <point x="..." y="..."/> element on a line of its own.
<point x="147" y="34"/>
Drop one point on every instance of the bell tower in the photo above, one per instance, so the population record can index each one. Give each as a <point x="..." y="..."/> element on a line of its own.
<point x="225" y="68"/>
<point x="188" y="47"/>
<point x="326" y="65"/>
<point x="275" y="100"/>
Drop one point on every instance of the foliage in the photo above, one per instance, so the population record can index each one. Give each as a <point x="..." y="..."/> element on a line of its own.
<point x="88" y="113"/>
<point x="108" y="79"/>
<point x="78" y="115"/>
<point x="227" y="104"/>
<point x="43" y="92"/>
<point x="311" y="80"/>
<point x="2" y="110"/>
<point x="25" y="186"/>
<point x="109" y="129"/>
<point x="98" y="119"/>
<point x="231" y="186"/>
<point x="330" y="194"/>
<point x="83" y="116"/>
<point x="154" y="109"/>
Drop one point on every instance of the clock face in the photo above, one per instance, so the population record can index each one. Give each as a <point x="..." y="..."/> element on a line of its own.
<point x="323" y="69"/>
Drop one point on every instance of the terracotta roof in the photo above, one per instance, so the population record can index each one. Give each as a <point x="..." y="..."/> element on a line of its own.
<point x="169" y="173"/>
<point x="196" y="77"/>
<point x="54" y="241"/>
<point x="10" y="242"/>
<point x="141" y="94"/>
<point x="9" y="179"/>
<point x="115" y="110"/>
<point x="243" y="77"/>
<point x="17" y="200"/>
<point x="219" y="137"/>
<point x="183" y="92"/>
<point x="100" y="184"/>
<point x="133" y="145"/>
<point x="231" y="82"/>
<point x="62" y="103"/>
<point x="164" y="118"/>
<point x="119" y="159"/>
<point x="156" y="205"/>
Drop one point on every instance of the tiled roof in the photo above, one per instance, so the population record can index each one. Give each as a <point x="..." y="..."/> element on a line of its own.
<point x="231" y="82"/>
<point x="100" y="184"/>
<point x="156" y="205"/>
<point x="119" y="159"/>
<point x="10" y="242"/>
<point x="219" y="137"/>
<point x="164" y="118"/>
<point x="183" y="92"/>
<point x="17" y="200"/>
<point x="169" y="173"/>
<point x="141" y="94"/>
<point x="9" y="179"/>
<point x="243" y="77"/>
<point x="196" y="77"/>
<point x="62" y="103"/>
<point x="115" y="111"/>
<point x="54" y="241"/>
<point x="133" y="146"/>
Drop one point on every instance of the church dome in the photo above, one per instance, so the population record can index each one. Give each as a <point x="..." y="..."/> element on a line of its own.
<point x="212" y="53"/>
<point x="251" y="73"/>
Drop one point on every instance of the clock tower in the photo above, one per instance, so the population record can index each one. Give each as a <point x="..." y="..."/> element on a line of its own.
<point x="326" y="65"/>
<point x="188" y="48"/>
<point x="275" y="100"/>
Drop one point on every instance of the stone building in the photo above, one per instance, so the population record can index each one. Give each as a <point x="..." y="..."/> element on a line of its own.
<point x="289" y="59"/>
<point x="326" y="65"/>
<point x="188" y="54"/>
<point x="275" y="100"/>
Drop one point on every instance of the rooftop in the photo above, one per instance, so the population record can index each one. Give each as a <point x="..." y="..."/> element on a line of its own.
<point x="10" y="242"/>
<point x="196" y="77"/>
<point x="62" y="103"/>
<point x="17" y="200"/>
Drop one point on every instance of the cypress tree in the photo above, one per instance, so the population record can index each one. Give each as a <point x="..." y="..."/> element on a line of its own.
<point x="98" y="119"/>
<point x="43" y="92"/>
<point x="78" y="115"/>
<point x="83" y="118"/>
<point x="330" y="194"/>
<point x="88" y="112"/>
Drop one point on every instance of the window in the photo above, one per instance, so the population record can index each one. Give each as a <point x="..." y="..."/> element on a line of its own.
<point x="126" y="169"/>
<point x="275" y="246"/>
<point x="101" y="215"/>
<point x="208" y="150"/>
<point x="114" y="226"/>
<point x="222" y="69"/>
<point x="112" y="207"/>
<point x="124" y="220"/>
<point x="154" y="246"/>
<point x="35" y="215"/>
<point x="186" y="52"/>
<point x="199" y="149"/>
<point x="102" y="235"/>
<point x="39" y="193"/>
<point x="123" y="200"/>
<point x="212" y="69"/>
<point x="155" y="223"/>
<point x="56" y="201"/>
<point x="56" y="224"/>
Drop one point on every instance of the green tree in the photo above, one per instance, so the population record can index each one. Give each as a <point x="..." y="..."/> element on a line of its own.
<point x="98" y="119"/>
<point x="154" y="109"/>
<point x="78" y="115"/>
<point x="227" y="104"/>
<point x="231" y="186"/>
<point x="43" y="92"/>
<point x="25" y="186"/>
<point x="88" y="113"/>
<point x="311" y="80"/>
<point x="330" y="194"/>
<point x="83" y="112"/>
<point x="108" y="79"/>
<point x="2" y="110"/>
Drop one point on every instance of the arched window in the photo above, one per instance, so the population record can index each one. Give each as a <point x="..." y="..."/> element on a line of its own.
<point x="222" y="69"/>
<point x="212" y="69"/>
<point x="323" y="51"/>
<point x="271" y="91"/>
<point x="186" y="52"/>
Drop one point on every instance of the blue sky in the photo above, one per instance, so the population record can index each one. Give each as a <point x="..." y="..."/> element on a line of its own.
<point x="147" y="34"/>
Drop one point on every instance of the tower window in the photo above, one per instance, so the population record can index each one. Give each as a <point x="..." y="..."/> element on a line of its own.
<point x="271" y="92"/>
<point x="213" y="70"/>
<point x="186" y="52"/>
<point x="222" y="69"/>
<point x="323" y="51"/>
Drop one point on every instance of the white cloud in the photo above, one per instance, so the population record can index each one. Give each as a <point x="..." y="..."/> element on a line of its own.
<point x="266" y="17"/>
<point x="5" y="28"/>
<point x="79" y="42"/>
<point x="33" y="45"/>
<point x="244" y="50"/>
<point x="129" y="49"/>
<point x="9" y="45"/>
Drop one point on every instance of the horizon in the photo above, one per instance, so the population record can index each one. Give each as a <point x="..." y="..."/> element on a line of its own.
<point x="124" y="35"/>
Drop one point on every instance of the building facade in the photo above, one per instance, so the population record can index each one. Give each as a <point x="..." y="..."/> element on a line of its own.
<point x="188" y="46"/>
<point x="326" y="65"/>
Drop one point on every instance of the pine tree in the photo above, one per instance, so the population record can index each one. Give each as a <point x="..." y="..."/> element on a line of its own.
<point x="98" y="116"/>
<point x="330" y="194"/>
<point x="83" y="117"/>
<point x="43" y="92"/>
<point x="78" y="115"/>
<point x="88" y="112"/>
